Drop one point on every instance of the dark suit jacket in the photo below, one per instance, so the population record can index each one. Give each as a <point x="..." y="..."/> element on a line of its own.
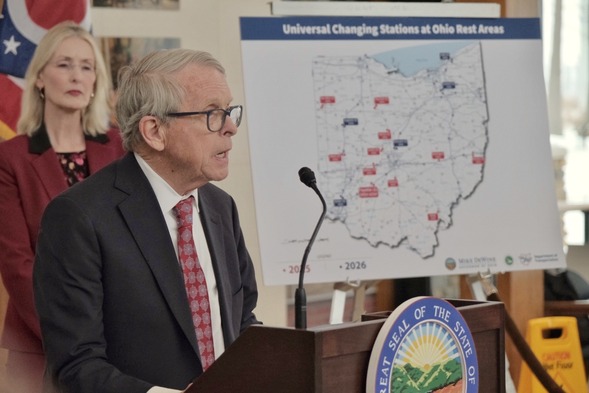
<point x="109" y="289"/>
<point x="30" y="176"/>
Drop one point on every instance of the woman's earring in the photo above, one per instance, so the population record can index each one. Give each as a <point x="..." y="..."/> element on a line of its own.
<point x="42" y="93"/>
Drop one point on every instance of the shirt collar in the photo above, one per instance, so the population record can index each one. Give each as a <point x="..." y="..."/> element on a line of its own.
<point x="166" y="196"/>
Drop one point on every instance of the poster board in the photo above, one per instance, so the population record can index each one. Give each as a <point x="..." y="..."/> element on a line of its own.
<point x="428" y="136"/>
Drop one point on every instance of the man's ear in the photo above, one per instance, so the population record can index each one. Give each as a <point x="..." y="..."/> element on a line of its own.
<point x="153" y="133"/>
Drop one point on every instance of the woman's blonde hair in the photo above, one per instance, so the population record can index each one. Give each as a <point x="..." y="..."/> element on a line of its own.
<point x="95" y="118"/>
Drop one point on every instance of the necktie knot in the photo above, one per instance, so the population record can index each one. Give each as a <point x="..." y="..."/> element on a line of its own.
<point x="183" y="211"/>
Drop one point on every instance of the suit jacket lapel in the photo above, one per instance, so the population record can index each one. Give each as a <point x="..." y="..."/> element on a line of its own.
<point x="213" y="228"/>
<point x="49" y="173"/>
<point x="143" y="215"/>
<point x="45" y="163"/>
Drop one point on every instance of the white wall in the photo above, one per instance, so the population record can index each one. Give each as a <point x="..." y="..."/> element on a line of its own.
<point x="211" y="25"/>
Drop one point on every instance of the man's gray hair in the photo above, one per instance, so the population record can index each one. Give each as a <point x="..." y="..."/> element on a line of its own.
<point x="149" y="87"/>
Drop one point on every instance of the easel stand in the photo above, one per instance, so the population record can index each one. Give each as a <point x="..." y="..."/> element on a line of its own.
<point x="338" y="300"/>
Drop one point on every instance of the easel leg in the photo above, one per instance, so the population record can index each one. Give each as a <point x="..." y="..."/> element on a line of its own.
<point x="338" y="300"/>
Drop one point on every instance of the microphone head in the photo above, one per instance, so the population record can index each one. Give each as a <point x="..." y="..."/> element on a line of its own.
<point x="307" y="176"/>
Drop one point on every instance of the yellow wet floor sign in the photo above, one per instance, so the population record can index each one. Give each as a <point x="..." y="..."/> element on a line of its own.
<point x="555" y="342"/>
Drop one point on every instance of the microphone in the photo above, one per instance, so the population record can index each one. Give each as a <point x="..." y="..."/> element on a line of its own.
<point x="308" y="178"/>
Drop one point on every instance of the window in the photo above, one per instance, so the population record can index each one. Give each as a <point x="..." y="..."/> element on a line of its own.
<point x="565" y="25"/>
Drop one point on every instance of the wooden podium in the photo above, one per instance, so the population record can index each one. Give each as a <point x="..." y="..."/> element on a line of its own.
<point x="334" y="358"/>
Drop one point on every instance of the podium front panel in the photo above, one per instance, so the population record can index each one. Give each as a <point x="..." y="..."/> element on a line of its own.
<point x="334" y="358"/>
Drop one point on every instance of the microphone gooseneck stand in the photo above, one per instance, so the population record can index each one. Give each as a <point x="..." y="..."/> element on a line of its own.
<point x="306" y="176"/>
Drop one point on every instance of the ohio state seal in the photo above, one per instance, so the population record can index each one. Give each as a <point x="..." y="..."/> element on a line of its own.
<point x="424" y="346"/>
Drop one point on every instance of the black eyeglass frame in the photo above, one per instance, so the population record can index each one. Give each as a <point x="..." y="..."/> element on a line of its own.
<point x="226" y="113"/>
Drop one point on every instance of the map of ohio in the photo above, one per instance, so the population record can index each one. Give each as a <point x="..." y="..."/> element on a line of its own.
<point x="430" y="145"/>
<point x="402" y="137"/>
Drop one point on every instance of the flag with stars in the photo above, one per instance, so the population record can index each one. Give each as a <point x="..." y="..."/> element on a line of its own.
<point x="22" y="25"/>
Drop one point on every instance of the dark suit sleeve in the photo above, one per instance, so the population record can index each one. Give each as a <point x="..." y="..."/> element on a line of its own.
<point x="69" y="295"/>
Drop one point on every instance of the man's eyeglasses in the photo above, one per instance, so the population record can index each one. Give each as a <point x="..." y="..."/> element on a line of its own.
<point x="216" y="117"/>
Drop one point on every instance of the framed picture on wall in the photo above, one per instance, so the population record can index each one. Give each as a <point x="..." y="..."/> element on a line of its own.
<point x="138" y="4"/>
<point x="121" y="51"/>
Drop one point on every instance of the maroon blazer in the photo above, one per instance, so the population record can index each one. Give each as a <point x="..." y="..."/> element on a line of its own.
<point x="30" y="176"/>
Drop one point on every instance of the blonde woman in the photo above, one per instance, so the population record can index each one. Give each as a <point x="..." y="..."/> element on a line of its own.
<point x="64" y="136"/>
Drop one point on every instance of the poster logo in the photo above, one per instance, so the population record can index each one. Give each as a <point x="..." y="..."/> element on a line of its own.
<point x="425" y="346"/>
<point x="450" y="263"/>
